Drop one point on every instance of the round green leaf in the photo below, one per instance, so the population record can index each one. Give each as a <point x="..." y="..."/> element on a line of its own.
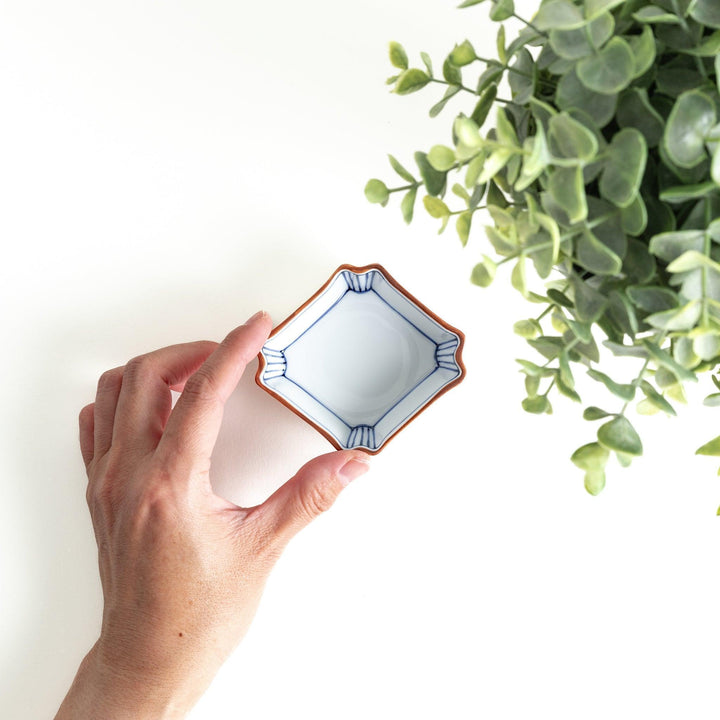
<point x="643" y="50"/>
<point x="537" y="405"/>
<point x="436" y="207"/>
<point x="567" y="190"/>
<point x="484" y="272"/>
<point x="682" y="318"/>
<point x="624" y="168"/>
<point x="578" y="43"/>
<point x="706" y="346"/>
<point x="634" y="217"/>
<point x="654" y="14"/>
<point x="570" y="139"/>
<point x="595" y="256"/>
<point x="463" y="54"/>
<point x="594" y="481"/>
<point x="618" y="434"/>
<point x="441" y="157"/>
<point x="527" y="329"/>
<point x="572" y="94"/>
<point x="691" y="119"/>
<point x="592" y="456"/>
<point x="610" y="70"/>
<point x="706" y="12"/>
<point x="594" y="413"/>
<point x="502" y="10"/>
<point x="376" y="191"/>
<point x="558" y="15"/>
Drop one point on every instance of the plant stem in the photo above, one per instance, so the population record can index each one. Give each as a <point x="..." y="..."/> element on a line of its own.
<point x="529" y="24"/>
<point x="659" y="340"/>
<point x="704" y="277"/>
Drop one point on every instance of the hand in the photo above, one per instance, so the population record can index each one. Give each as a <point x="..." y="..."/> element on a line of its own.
<point x="182" y="570"/>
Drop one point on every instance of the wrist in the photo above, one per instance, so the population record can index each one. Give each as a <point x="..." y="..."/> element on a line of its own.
<point x="103" y="692"/>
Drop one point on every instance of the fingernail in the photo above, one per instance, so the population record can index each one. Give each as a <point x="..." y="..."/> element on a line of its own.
<point x="255" y="317"/>
<point x="352" y="469"/>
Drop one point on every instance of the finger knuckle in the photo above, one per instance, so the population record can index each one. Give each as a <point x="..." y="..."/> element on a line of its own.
<point x="316" y="500"/>
<point x="139" y="368"/>
<point x="109" y="380"/>
<point x="202" y="386"/>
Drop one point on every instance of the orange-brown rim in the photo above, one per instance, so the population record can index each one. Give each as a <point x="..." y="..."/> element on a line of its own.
<point x="400" y="288"/>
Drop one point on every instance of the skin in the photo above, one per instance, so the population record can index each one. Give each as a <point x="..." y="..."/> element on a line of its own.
<point x="182" y="570"/>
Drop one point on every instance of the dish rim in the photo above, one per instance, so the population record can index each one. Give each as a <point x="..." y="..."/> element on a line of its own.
<point x="360" y="270"/>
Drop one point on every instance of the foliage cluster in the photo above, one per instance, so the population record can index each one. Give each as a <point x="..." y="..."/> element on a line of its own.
<point x="601" y="173"/>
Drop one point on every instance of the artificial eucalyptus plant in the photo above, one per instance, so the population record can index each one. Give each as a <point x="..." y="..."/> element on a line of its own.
<point x="602" y="172"/>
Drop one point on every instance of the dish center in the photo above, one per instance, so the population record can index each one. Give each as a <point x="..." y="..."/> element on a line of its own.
<point x="360" y="358"/>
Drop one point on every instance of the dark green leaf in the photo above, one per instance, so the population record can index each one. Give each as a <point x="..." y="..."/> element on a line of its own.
<point x="634" y="110"/>
<point x="618" y="434"/>
<point x="433" y="179"/>
<point x="589" y="302"/>
<point x="634" y="217"/>
<point x="484" y="105"/>
<point x="706" y="12"/>
<point x="560" y="298"/>
<point x="594" y="413"/>
<point x="595" y="256"/>
<point x="522" y="77"/>
<point x="652" y="298"/>
<point x="558" y="15"/>
<point x="571" y="93"/>
<point x="665" y="360"/>
<point x="571" y="139"/>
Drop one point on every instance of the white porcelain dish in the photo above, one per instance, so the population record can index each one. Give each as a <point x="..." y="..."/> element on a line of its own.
<point x="361" y="358"/>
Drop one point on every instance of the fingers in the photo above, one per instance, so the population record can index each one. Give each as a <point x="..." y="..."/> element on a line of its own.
<point x="144" y="403"/>
<point x="108" y="392"/>
<point x="312" y="491"/>
<point x="194" y="423"/>
<point x="87" y="432"/>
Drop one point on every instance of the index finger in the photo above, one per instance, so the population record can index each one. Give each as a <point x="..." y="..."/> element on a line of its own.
<point x="194" y="423"/>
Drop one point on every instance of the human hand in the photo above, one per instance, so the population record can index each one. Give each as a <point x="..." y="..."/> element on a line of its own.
<point x="182" y="570"/>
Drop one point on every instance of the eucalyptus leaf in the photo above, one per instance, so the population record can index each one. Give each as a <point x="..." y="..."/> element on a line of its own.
<point x="558" y="15"/>
<point x="618" y="434"/>
<point x="592" y="456"/>
<point x="610" y="70"/>
<point x="706" y="12"/>
<point x="691" y="119"/>
<point x="624" y="391"/>
<point x="410" y="81"/>
<point x="567" y="189"/>
<point x="571" y="93"/>
<point x="624" y="168"/>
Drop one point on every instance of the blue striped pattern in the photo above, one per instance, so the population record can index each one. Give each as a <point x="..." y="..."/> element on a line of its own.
<point x="276" y="363"/>
<point x="362" y="435"/>
<point x="445" y="355"/>
<point x="359" y="283"/>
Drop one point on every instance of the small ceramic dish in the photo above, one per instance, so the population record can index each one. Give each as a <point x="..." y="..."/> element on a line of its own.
<point x="360" y="359"/>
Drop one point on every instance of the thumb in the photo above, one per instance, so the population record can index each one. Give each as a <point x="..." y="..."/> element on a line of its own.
<point x="312" y="491"/>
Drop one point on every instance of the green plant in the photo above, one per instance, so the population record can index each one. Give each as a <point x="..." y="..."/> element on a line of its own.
<point x="602" y="171"/>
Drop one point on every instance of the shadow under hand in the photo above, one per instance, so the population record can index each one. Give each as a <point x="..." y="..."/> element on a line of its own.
<point x="261" y="444"/>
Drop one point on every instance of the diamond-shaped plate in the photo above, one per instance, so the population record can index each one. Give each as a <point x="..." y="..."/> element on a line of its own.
<point x="361" y="358"/>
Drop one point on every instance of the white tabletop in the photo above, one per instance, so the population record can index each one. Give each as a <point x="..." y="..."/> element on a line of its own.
<point x="169" y="168"/>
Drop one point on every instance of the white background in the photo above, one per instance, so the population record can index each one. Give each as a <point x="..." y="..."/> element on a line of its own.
<point x="168" y="168"/>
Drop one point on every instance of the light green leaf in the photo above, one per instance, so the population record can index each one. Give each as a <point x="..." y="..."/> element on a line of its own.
<point x="578" y="43"/>
<point x="376" y="191"/>
<point x="484" y="272"/>
<point x="665" y="360"/>
<point x="500" y="45"/>
<point x="484" y="105"/>
<point x="407" y="206"/>
<point x="712" y="400"/>
<point x="571" y="139"/>
<point x="527" y="329"/>
<point x="706" y="345"/>
<point x="593" y="8"/>
<point x="595" y="256"/>
<point x="567" y="190"/>
<point x="398" y="56"/>
<point x="670" y="245"/>
<point x="400" y="170"/>
<point x="654" y="397"/>
<point x="624" y="168"/>
<point x="710" y="448"/>
<point x="682" y="318"/>
<point x="518" y="277"/>
<point x="463" y="54"/>
<point x="441" y="157"/>
<point x="634" y="217"/>
<point x="495" y="163"/>
<point x="652" y="298"/>
<point x="709" y="47"/>
<point x="610" y="70"/>
<point x="536" y="161"/>
<point x="690" y="120"/>
<point x="410" y="81"/>
<point x="618" y="434"/>
<point x="625" y="392"/>
<point x="683" y="193"/>
<point x="452" y="73"/>
<point x="436" y="208"/>
<point x="594" y="481"/>
<point x="706" y="12"/>
<point x="592" y="456"/>
<point x="462" y="225"/>
<point x="505" y="131"/>
<point x="654" y="14"/>
<point x="558" y="15"/>
<point x="427" y="62"/>
<point x="643" y="50"/>
<point x="692" y="260"/>
<point x="438" y="107"/>
<point x="533" y="370"/>
<point x="502" y="10"/>
<point x="536" y="405"/>
<point x="589" y="303"/>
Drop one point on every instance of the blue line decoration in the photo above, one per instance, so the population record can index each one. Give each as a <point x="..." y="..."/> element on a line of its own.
<point x="445" y="355"/>
<point x="359" y="283"/>
<point x="275" y="362"/>
<point x="362" y="436"/>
